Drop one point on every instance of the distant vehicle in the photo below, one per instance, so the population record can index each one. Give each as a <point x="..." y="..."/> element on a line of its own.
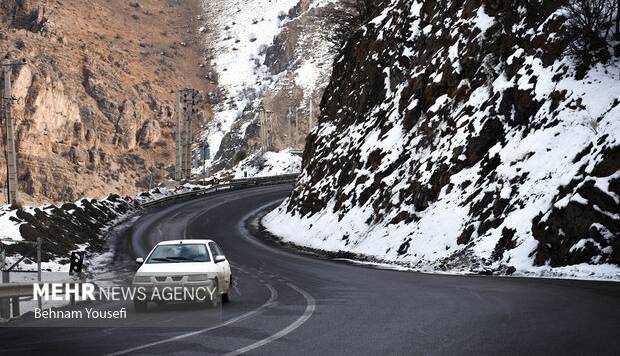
<point x="189" y="264"/>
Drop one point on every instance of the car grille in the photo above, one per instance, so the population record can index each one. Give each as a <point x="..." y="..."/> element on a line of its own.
<point x="165" y="278"/>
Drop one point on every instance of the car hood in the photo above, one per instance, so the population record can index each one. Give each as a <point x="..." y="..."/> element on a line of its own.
<point x="177" y="268"/>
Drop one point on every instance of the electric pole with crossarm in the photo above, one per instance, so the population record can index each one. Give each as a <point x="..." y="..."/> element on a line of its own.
<point x="187" y="100"/>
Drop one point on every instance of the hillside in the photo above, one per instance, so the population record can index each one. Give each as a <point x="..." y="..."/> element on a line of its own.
<point x="95" y="103"/>
<point x="274" y="54"/>
<point x="462" y="136"/>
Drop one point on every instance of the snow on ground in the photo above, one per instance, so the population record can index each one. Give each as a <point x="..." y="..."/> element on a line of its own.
<point x="268" y="164"/>
<point x="241" y="32"/>
<point x="9" y="230"/>
<point x="163" y="191"/>
<point x="10" y="234"/>
<point x="533" y="165"/>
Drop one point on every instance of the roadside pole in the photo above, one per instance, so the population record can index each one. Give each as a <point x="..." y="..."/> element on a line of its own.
<point x="11" y="155"/>
<point x="39" y="267"/>
<point x="261" y="118"/>
<point x="289" y="119"/>
<point x="5" y="305"/>
<point x="187" y="160"/>
<point x="266" y="129"/>
<point x="204" y="166"/>
<point x="206" y="154"/>
<point x="296" y="130"/>
<point x="179" y="156"/>
<point x="311" y="117"/>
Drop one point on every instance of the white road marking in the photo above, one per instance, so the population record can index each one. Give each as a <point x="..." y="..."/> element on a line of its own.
<point x="310" y="307"/>
<point x="272" y="300"/>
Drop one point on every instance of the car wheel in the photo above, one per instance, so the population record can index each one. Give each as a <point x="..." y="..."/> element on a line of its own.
<point x="140" y="306"/>
<point x="226" y="296"/>
<point x="217" y="297"/>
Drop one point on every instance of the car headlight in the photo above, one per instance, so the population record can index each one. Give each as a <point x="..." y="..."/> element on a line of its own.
<point x="197" y="277"/>
<point x="141" y="279"/>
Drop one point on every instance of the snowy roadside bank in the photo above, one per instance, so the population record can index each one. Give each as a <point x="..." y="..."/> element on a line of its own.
<point x="501" y="154"/>
<point x="78" y="226"/>
<point x="284" y="231"/>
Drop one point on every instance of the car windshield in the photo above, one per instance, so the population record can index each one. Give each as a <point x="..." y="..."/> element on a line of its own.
<point x="179" y="253"/>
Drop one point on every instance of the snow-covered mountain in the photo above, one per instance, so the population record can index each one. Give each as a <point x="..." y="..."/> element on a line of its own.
<point x="461" y="136"/>
<point x="271" y="53"/>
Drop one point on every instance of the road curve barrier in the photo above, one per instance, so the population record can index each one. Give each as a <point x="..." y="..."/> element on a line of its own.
<point x="234" y="184"/>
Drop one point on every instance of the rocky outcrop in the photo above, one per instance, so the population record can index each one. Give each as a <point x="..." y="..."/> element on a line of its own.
<point x="23" y="14"/>
<point x="583" y="226"/>
<point x="63" y="229"/>
<point x="458" y="136"/>
<point x="95" y="104"/>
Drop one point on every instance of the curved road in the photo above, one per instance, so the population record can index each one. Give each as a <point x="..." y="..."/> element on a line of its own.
<point x="292" y="304"/>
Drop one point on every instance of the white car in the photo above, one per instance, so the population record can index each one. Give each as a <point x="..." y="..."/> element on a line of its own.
<point x="184" y="266"/>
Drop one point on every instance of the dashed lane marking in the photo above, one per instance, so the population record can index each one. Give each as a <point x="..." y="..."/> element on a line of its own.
<point x="310" y="307"/>
<point x="272" y="300"/>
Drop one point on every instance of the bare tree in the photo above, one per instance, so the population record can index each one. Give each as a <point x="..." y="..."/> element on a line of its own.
<point x="589" y="27"/>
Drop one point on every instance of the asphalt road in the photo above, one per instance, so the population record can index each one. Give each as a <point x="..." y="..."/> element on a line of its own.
<point x="292" y="304"/>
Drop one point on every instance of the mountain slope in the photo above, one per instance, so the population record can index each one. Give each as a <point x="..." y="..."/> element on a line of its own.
<point x="271" y="54"/>
<point x="95" y="105"/>
<point x="459" y="136"/>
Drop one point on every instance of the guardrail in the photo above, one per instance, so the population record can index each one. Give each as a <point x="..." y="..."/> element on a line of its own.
<point x="9" y="298"/>
<point x="8" y="290"/>
<point x="234" y="184"/>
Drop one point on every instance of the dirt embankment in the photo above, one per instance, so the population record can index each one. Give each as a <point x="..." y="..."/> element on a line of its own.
<point x="95" y="102"/>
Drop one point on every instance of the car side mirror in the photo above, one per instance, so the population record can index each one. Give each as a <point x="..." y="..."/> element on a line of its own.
<point x="139" y="260"/>
<point x="219" y="259"/>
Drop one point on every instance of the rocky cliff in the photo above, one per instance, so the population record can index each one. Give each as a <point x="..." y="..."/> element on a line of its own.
<point x="463" y="136"/>
<point x="94" y="109"/>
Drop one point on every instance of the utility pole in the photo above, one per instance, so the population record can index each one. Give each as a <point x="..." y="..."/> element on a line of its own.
<point x="39" y="265"/>
<point x="189" y="134"/>
<point x="187" y="159"/>
<point x="206" y="154"/>
<point x="178" y="152"/>
<point x="311" y="117"/>
<point x="296" y="130"/>
<point x="263" y="130"/>
<point x="11" y="154"/>
<point x="289" y="119"/>
<point x="266" y="131"/>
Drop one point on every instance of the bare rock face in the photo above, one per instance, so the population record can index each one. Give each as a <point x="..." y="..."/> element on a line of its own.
<point x="461" y="136"/>
<point x="24" y="14"/>
<point x="149" y="133"/>
<point x="93" y="108"/>
<point x="129" y="120"/>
